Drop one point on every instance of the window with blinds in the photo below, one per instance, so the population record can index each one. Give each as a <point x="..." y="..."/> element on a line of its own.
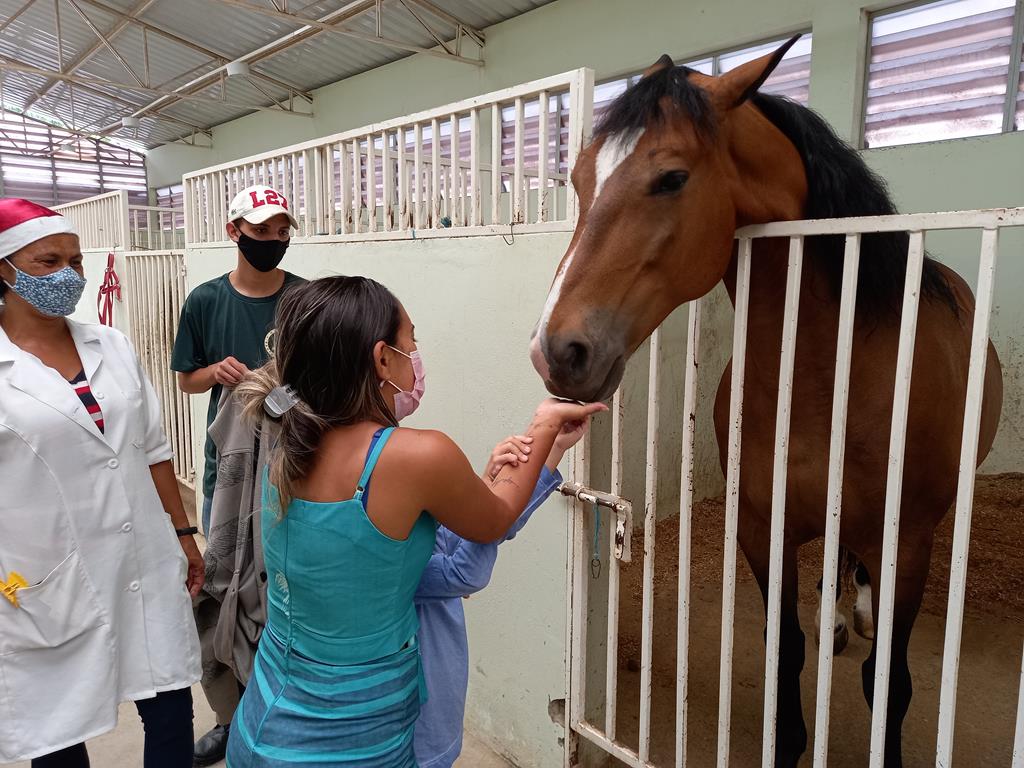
<point x="50" y="166"/>
<point x="943" y="71"/>
<point x="172" y="196"/>
<point x="791" y="78"/>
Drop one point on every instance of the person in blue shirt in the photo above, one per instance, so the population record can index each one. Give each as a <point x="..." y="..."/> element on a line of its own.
<point x="459" y="568"/>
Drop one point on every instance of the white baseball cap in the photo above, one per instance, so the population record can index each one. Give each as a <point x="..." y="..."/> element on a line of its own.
<point x="258" y="203"/>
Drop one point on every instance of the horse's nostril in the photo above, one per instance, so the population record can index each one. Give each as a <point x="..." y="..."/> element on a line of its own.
<point x="571" y="359"/>
<point x="577" y="357"/>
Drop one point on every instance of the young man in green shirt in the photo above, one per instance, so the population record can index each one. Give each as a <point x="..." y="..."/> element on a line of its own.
<point x="226" y="329"/>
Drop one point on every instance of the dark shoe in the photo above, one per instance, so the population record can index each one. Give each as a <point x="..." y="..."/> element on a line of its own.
<point x="211" y="746"/>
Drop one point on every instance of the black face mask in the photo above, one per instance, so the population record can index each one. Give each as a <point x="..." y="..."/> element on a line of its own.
<point x="264" y="255"/>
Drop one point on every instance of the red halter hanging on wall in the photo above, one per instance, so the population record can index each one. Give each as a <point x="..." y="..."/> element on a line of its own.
<point x="110" y="288"/>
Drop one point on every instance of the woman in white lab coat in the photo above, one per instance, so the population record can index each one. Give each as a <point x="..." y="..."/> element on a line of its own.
<point x="97" y="559"/>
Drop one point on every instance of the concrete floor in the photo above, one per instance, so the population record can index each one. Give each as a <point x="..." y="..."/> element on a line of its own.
<point x="122" y="747"/>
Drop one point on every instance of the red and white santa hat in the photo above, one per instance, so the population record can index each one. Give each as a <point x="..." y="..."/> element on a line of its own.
<point x="23" y="222"/>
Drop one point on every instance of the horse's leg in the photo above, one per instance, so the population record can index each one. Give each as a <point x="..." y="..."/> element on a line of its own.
<point x="791" y="732"/>
<point x="911" y="574"/>
<point x="840" y="632"/>
<point x="863" y="623"/>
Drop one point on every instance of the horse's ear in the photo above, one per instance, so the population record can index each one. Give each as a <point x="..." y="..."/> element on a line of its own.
<point x="737" y="85"/>
<point x="664" y="62"/>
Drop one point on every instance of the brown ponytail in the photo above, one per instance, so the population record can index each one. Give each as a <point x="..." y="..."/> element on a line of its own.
<point x="326" y="332"/>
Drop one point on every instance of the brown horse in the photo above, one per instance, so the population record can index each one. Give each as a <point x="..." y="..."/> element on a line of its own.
<point x="677" y="163"/>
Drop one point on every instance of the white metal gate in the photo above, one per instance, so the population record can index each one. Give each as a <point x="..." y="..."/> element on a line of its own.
<point x="156" y="292"/>
<point x="604" y="735"/>
<point x="479" y="166"/>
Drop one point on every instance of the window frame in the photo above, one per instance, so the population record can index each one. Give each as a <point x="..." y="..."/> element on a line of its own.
<point x="159" y="201"/>
<point x="1012" y="83"/>
<point x="716" y="53"/>
<point x="69" y="166"/>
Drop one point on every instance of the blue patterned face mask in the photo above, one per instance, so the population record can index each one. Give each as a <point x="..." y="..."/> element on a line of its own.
<point x="56" y="294"/>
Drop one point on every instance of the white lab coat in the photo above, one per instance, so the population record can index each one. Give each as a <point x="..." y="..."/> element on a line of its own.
<point x="106" y="617"/>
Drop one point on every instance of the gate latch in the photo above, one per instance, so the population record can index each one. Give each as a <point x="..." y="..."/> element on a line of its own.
<point x="621" y="508"/>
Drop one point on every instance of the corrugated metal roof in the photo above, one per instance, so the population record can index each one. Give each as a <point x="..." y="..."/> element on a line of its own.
<point x="219" y="31"/>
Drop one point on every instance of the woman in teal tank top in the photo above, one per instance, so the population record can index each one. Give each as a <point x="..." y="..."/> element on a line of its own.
<point x="337" y="679"/>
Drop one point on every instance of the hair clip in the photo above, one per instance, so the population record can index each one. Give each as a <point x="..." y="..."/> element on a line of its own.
<point x="279" y="401"/>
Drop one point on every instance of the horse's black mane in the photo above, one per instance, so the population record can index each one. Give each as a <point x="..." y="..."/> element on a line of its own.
<point x="839" y="183"/>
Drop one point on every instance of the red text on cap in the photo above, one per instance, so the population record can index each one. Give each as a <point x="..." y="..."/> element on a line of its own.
<point x="270" y="198"/>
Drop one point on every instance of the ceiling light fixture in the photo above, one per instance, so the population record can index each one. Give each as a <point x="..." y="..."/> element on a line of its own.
<point x="237" y="69"/>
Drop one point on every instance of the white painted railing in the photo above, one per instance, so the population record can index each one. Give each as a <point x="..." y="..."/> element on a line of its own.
<point x="154" y="228"/>
<point x="156" y="290"/>
<point x="110" y="222"/>
<point x="473" y="167"/>
<point x="989" y="222"/>
<point x="101" y="221"/>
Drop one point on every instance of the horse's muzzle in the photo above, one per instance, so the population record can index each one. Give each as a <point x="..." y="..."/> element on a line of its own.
<point x="575" y="367"/>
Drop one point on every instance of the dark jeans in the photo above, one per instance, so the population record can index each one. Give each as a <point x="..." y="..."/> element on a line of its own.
<point x="167" y="722"/>
<point x="207" y="510"/>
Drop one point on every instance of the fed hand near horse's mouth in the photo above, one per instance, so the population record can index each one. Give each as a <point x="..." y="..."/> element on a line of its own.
<point x="584" y="366"/>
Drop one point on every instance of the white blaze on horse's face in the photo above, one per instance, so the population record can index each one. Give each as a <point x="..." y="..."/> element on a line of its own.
<point x="540" y="363"/>
<point x="615" y="151"/>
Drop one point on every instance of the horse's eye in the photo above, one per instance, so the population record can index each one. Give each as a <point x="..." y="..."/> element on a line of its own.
<point x="669" y="182"/>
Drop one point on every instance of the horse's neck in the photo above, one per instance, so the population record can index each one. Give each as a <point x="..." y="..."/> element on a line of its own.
<point x="819" y="308"/>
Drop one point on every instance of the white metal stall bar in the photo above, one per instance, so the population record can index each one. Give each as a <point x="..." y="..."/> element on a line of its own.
<point x="837" y="454"/>
<point x="685" y="518"/>
<point x="965" y="497"/>
<point x="650" y="526"/>
<point x="612" y="660"/>
<point x="732" y="497"/>
<point x="893" y="496"/>
<point x="576" y="626"/>
<point x="780" y="470"/>
<point x="542" y="158"/>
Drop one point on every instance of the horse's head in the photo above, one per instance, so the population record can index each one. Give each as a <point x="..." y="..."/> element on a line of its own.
<point x="677" y="163"/>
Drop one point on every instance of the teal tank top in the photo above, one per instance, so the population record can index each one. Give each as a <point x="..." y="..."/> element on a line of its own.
<point x="339" y="591"/>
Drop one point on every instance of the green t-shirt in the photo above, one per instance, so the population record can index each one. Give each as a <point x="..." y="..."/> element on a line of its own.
<point x="218" y="322"/>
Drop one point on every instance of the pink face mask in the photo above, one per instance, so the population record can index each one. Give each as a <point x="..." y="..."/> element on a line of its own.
<point x="407" y="402"/>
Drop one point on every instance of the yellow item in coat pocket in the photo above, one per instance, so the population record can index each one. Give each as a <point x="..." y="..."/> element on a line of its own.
<point x="9" y="588"/>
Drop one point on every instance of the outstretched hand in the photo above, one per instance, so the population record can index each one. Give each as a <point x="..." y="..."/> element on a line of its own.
<point x="567" y="411"/>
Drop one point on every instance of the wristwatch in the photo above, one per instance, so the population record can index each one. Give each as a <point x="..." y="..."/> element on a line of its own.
<point x="186" y="531"/>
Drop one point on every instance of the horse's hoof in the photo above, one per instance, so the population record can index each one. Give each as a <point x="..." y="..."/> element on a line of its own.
<point x="787" y="761"/>
<point x="840" y="639"/>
